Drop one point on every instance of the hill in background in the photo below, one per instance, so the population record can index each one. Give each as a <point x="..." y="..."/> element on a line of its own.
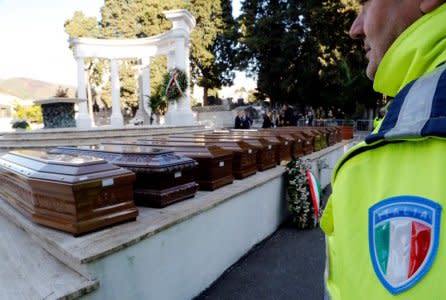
<point x="26" y="88"/>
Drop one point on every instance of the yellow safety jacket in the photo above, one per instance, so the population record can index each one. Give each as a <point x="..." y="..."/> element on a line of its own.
<point x="376" y="122"/>
<point x="384" y="222"/>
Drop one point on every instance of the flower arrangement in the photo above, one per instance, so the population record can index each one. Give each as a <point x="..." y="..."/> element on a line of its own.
<point x="175" y="84"/>
<point x="303" y="202"/>
<point x="61" y="92"/>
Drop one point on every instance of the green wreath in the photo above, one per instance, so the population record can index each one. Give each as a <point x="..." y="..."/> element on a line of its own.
<point x="174" y="84"/>
<point x="298" y="194"/>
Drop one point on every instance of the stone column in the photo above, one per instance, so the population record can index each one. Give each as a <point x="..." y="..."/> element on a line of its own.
<point x="182" y="63"/>
<point x="182" y="114"/>
<point x="116" y="119"/>
<point x="83" y="119"/>
<point x="171" y="60"/>
<point x="144" y="112"/>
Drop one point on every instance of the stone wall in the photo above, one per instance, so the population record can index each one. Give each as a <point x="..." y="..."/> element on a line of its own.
<point x="215" y="116"/>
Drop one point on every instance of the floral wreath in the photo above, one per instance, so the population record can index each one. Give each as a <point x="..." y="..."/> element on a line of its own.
<point x="175" y="84"/>
<point x="302" y="198"/>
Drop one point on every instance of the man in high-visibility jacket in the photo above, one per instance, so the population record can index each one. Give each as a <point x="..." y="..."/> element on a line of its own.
<point x="384" y="222"/>
<point x="379" y="117"/>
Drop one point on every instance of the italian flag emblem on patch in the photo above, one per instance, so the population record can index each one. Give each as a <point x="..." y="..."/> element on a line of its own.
<point x="403" y="240"/>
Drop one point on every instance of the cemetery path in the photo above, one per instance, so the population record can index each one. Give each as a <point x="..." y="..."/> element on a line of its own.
<point x="288" y="265"/>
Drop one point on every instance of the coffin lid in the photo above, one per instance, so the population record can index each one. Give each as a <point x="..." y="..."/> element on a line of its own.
<point x="191" y="150"/>
<point x="58" y="167"/>
<point x="137" y="158"/>
<point x="258" y="142"/>
<point x="236" y="145"/>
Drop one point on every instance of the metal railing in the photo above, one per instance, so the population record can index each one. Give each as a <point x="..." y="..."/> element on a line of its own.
<point x="358" y="125"/>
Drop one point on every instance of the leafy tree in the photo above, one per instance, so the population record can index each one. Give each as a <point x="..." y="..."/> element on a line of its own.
<point x="135" y="19"/>
<point x="213" y="44"/>
<point x="82" y="26"/>
<point x="301" y="52"/>
<point x="31" y="113"/>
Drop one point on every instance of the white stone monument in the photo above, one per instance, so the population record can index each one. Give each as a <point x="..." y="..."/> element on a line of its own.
<point x="174" y="44"/>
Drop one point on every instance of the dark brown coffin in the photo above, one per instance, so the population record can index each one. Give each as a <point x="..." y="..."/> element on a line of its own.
<point x="296" y="141"/>
<point x="214" y="163"/>
<point x="339" y="134"/>
<point x="284" y="143"/>
<point x="316" y="137"/>
<point x="244" y="160"/>
<point x="320" y="137"/>
<point x="331" y="135"/>
<point x="162" y="176"/>
<point x="77" y="194"/>
<point x="266" y="151"/>
<point x="269" y="141"/>
<point x="307" y="138"/>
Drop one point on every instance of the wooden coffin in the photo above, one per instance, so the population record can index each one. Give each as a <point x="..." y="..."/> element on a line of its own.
<point x="214" y="168"/>
<point x="162" y="176"/>
<point x="316" y="137"/>
<point x="339" y="134"/>
<point x="284" y="142"/>
<point x="331" y="135"/>
<point x="244" y="161"/>
<point x="266" y="152"/>
<point x="308" y="139"/>
<point x="76" y="194"/>
<point x="320" y="135"/>
<point x="296" y="142"/>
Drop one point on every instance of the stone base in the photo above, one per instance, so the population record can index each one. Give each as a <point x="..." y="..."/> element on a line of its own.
<point x="83" y="121"/>
<point x="180" y="118"/>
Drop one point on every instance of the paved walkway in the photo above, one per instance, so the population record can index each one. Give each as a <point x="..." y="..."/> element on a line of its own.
<point x="288" y="265"/>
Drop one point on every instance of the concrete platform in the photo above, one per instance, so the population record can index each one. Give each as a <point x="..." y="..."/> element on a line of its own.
<point x="29" y="272"/>
<point x="175" y="252"/>
<point x="45" y="138"/>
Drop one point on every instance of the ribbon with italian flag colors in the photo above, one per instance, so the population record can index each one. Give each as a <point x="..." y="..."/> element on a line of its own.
<point x="315" y="193"/>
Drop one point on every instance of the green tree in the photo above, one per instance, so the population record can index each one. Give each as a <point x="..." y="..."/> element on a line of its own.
<point x="30" y="113"/>
<point x="299" y="51"/>
<point x="213" y="41"/>
<point x="135" y="19"/>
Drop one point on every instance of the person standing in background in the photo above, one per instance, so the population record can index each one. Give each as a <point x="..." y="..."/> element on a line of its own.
<point x="288" y="116"/>
<point x="242" y="121"/>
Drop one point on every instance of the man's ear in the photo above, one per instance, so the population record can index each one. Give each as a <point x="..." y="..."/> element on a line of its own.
<point x="426" y="6"/>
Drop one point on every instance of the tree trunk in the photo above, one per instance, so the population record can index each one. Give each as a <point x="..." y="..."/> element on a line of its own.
<point x="205" y="96"/>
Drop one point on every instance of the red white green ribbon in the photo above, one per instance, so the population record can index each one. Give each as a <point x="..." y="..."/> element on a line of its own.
<point x="173" y="83"/>
<point x="314" y="186"/>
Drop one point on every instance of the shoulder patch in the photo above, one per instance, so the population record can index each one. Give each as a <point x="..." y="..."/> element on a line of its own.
<point x="403" y="240"/>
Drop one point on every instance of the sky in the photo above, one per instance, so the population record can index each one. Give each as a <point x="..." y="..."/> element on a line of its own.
<point x="33" y="43"/>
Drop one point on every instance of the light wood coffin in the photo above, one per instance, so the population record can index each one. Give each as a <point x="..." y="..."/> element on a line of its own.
<point x="162" y="176"/>
<point x="77" y="194"/>
<point x="214" y="163"/>
<point x="244" y="160"/>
